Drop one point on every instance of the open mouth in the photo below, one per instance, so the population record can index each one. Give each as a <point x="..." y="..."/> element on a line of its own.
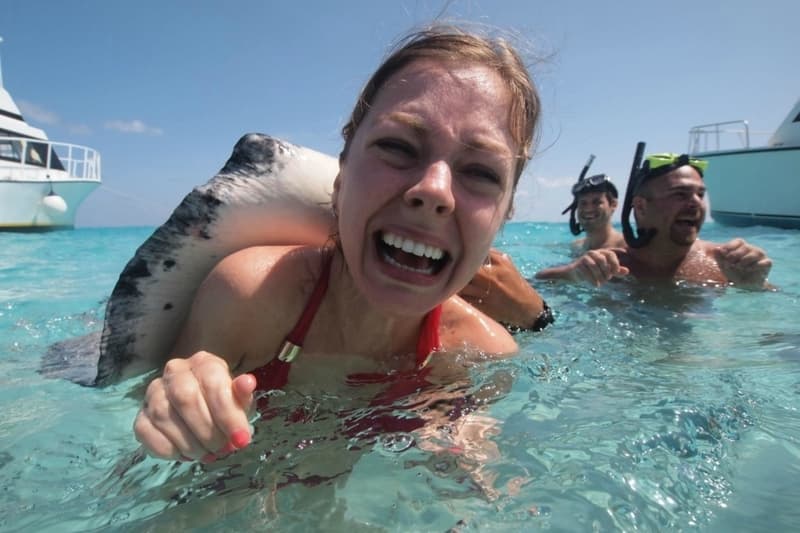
<point x="410" y="255"/>
<point x="687" y="226"/>
<point x="688" y="223"/>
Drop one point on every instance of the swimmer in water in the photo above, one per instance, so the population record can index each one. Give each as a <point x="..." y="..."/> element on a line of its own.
<point x="432" y="155"/>
<point x="668" y="198"/>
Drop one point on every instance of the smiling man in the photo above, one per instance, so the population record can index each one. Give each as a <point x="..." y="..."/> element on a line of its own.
<point x="667" y="197"/>
<point x="594" y="202"/>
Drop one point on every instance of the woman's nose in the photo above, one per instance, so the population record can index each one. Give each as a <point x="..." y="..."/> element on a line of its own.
<point x="433" y="190"/>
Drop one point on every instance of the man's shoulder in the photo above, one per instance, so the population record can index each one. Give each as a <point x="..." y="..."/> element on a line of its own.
<point x="617" y="240"/>
<point x="578" y="246"/>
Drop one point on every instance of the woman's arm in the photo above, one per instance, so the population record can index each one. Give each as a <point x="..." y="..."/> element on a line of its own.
<point x="197" y="409"/>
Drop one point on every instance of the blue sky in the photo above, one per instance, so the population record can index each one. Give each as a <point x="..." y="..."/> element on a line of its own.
<point x="163" y="89"/>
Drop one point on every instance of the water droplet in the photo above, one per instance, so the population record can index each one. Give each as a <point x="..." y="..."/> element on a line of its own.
<point x="395" y="442"/>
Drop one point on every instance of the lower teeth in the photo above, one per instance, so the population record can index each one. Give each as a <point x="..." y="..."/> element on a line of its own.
<point x="391" y="260"/>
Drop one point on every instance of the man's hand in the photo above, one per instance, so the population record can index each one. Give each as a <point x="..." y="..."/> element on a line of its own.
<point x="743" y="264"/>
<point x="595" y="266"/>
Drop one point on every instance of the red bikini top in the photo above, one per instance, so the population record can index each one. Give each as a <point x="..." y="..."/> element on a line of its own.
<point x="275" y="374"/>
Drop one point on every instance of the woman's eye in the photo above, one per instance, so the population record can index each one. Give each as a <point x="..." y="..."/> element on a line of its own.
<point x="483" y="173"/>
<point x="396" y="147"/>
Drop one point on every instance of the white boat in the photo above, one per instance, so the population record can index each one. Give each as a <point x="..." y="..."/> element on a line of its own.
<point x="42" y="183"/>
<point x="751" y="185"/>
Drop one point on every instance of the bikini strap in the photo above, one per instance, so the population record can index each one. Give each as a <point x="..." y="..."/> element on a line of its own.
<point x="294" y="340"/>
<point x="428" y="341"/>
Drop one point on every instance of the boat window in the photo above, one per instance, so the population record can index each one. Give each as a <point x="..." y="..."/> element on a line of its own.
<point x="55" y="162"/>
<point x="36" y="154"/>
<point x="10" y="150"/>
<point x="797" y="118"/>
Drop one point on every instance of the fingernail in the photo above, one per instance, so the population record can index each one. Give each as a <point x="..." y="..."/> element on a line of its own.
<point x="209" y="458"/>
<point x="240" y="438"/>
<point x="184" y="459"/>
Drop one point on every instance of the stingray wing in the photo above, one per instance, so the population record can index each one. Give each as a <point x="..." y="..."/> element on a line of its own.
<point x="269" y="192"/>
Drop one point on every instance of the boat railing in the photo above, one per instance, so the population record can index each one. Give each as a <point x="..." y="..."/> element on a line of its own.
<point x="717" y="136"/>
<point x="24" y="158"/>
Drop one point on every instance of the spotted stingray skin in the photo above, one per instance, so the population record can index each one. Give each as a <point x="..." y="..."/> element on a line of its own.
<point x="269" y="192"/>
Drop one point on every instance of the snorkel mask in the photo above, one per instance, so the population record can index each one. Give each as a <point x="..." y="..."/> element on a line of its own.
<point x="598" y="182"/>
<point x="654" y="165"/>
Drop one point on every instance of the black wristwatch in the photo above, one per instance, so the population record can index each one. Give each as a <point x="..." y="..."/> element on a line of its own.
<point x="543" y="319"/>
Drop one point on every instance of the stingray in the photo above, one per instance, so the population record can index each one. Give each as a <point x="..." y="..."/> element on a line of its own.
<point x="269" y="192"/>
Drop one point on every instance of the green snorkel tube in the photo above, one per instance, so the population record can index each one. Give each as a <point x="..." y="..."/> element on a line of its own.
<point x="574" y="226"/>
<point x="643" y="236"/>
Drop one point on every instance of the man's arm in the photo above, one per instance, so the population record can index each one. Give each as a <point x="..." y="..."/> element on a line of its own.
<point x="595" y="266"/>
<point x="500" y="291"/>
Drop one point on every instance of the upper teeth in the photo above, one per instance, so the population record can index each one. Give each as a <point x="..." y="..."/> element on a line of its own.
<point x="412" y="247"/>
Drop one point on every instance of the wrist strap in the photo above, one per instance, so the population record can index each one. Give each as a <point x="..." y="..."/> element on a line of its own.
<point x="543" y="319"/>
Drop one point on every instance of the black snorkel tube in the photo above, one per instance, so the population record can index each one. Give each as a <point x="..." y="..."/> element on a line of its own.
<point x="574" y="226"/>
<point x="643" y="236"/>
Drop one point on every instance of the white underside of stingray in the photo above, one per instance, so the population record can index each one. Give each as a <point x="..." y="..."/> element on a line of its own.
<point x="269" y="192"/>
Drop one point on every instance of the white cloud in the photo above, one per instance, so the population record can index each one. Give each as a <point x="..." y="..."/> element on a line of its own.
<point x="542" y="198"/>
<point x="80" y="129"/>
<point x="554" y="183"/>
<point x="37" y="113"/>
<point x="132" y="126"/>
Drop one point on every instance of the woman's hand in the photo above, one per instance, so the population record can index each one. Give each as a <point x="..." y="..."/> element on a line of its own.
<point x="196" y="410"/>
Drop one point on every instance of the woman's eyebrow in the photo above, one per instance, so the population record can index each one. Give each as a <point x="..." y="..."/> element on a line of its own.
<point x="479" y="142"/>
<point x="407" y="119"/>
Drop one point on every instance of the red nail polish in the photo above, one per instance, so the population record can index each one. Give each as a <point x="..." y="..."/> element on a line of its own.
<point x="209" y="458"/>
<point x="240" y="438"/>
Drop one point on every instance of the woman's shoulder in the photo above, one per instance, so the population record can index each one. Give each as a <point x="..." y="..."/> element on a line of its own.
<point x="465" y="327"/>
<point x="250" y="270"/>
<point x="251" y="288"/>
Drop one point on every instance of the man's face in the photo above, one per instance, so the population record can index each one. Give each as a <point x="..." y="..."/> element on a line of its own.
<point x="674" y="204"/>
<point x="595" y="210"/>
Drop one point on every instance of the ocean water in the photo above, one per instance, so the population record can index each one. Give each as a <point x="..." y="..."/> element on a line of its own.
<point x="636" y="411"/>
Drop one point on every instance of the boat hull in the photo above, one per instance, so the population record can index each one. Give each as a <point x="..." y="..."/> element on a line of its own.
<point x="22" y="207"/>
<point x="754" y="187"/>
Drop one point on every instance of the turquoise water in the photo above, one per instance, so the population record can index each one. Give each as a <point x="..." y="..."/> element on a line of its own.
<point x="636" y="411"/>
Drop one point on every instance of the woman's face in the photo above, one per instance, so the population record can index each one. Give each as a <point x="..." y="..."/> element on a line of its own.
<point x="426" y="183"/>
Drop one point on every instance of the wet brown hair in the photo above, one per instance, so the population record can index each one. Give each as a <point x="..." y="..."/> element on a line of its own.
<point x="451" y="43"/>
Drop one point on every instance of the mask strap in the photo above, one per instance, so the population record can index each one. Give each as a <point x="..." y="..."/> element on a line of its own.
<point x="574" y="226"/>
